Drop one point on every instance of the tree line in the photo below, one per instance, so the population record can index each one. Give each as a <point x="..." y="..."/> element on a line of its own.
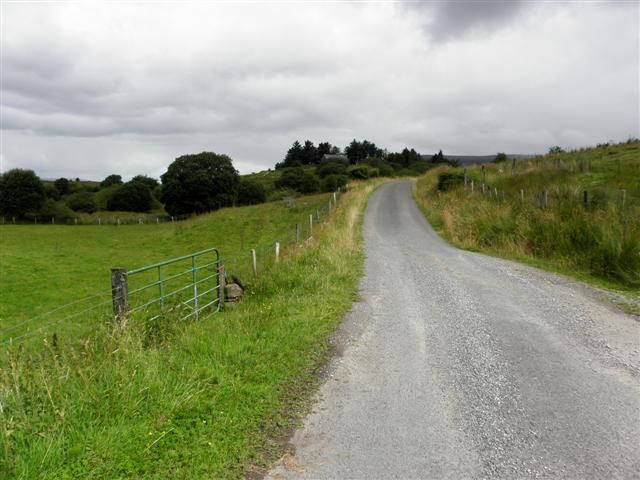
<point x="203" y="182"/>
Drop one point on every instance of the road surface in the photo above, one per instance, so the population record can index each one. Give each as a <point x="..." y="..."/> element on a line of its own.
<point x="458" y="365"/>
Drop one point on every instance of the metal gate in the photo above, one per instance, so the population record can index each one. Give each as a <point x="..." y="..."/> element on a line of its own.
<point x="192" y="285"/>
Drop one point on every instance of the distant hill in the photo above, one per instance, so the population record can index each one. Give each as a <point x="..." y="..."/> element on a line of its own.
<point x="479" y="159"/>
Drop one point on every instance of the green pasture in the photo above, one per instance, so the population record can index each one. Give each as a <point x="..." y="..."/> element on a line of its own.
<point x="44" y="267"/>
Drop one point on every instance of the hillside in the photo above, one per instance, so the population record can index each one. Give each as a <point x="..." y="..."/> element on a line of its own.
<point x="576" y="212"/>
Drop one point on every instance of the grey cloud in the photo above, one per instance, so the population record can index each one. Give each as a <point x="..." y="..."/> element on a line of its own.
<point x="446" y="20"/>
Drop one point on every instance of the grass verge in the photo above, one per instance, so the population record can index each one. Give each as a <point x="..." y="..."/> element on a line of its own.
<point x="184" y="400"/>
<point x="538" y="213"/>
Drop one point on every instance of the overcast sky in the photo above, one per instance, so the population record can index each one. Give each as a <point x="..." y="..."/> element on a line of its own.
<point x="90" y="89"/>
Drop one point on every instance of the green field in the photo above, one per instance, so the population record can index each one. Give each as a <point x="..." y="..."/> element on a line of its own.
<point x="206" y="399"/>
<point x="576" y="213"/>
<point x="44" y="267"/>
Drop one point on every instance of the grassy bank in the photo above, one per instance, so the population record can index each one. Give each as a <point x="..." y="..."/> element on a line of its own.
<point x="538" y="212"/>
<point x="184" y="400"/>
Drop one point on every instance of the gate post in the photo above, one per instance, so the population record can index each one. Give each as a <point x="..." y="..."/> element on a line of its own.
<point x="119" y="294"/>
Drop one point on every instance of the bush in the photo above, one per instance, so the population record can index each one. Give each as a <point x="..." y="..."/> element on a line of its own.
<point x="57" y="210"/>
<point x="81" y="202"/>
<point x="251" y="192"/>
<point x="359" y="172"/>
<point x="21" y="192"/>
<point x="131" y="197"/>
<point x="298" y="179"/>
<point x="331" y="168"/>
<point x="450" y="180"/>
<point x="334" y="182"/>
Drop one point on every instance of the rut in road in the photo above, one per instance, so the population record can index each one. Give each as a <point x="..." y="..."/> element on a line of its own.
<point x="458" y="365"/>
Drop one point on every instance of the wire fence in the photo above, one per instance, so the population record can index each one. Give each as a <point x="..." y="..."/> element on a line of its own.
<point x="100" y="220"/>
<point x="152" y="291"/>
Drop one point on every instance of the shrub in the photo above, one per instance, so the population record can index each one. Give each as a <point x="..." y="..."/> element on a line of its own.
<point x="81" y="202"/>
<point x="331" y="168"/>
<point x="298" y="179"/>
<point x="131" y="197"/>
<point x="360" y="172"/>
<point x="251" y="192"/>
<point x="334" y="182"/>
<point x="59" y="210"/>
<point x="450" y="180"/>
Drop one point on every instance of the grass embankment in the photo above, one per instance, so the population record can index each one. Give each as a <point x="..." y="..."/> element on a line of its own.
<point x="46" y="266"/>
<point x="598" y="242"/>
<point x="189" y="399"/>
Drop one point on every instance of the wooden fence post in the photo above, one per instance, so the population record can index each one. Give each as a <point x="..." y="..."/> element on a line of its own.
<point x="119" y="294"/>
<point x="310" y="224"/>
<point x="254" y="262"/>
<point x="277" y="252"/>
<point x="334" y="199"/>
<point x="297" y="233"/>
<point x="471" y="186"/>
<point x="522" y="196"/>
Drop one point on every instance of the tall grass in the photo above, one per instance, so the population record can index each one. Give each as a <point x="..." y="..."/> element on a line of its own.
<point x="184" y="399"/>
<point x="537" y="211"/>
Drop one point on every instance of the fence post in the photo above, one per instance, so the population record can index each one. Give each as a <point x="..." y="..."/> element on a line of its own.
<point x="14" y="220"/>
<point x="119" y="294"/>
<point x="495" y="189"/>
<point x="334" y="199"/>
<point x="297" y="233"/>
<point x="522" y="196"/>
<point x="99" y="221"/>
<point x="310" y="224"/>
<point x="221" y="284"/>
<point x="585" y="199"/>
<point x="277" y="252"/>
<point x="513" y="165"/>
<point x="53" y="220"/>
<point x="471" y="186"/>
<point x="254" y="262"/>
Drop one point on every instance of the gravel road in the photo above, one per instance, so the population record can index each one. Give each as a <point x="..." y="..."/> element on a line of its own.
<point x="458" y="365"/>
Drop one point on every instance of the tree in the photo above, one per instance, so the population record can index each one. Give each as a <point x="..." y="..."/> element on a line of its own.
<point x="438" y="158"/>
<point x="21" y="192"/>
<point x="151" y="183"/>
<point x="131" y="197"/>
<point x="359" y="151"/>
<point x="110" y="180"/>
<point x="199" y="183"/>
<point x="62" y="186"/>
<point x="556" y="149"/>
<point x="500" y="157"/>
<point x="309" y="153"/>
<point x="293" y="158"/>
<point x="251" y="192"/>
